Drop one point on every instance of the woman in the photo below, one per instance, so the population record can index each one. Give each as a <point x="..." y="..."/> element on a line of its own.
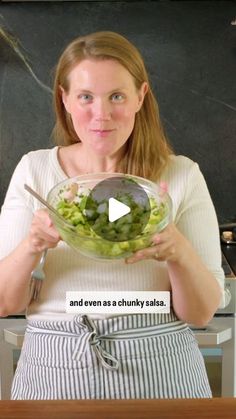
<point x="108" y="121"/>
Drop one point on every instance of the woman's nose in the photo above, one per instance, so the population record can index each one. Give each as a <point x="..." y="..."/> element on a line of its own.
<point x="102" y="110"/>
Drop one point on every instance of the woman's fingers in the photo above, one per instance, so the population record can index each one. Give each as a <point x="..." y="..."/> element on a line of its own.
<point x="43" y="234"/>
<point x="43" y="223"/>
<point x="158" y="252"/>
<point x="167" y="246"/>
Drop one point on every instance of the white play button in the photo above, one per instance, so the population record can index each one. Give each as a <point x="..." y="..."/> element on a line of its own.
<point x="116" y="209"/>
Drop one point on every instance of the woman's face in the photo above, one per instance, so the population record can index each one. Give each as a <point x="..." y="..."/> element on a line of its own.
<point x="102" y="101"/>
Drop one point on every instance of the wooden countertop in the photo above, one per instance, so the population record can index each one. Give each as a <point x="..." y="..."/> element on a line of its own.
<point x="217" y="408"/>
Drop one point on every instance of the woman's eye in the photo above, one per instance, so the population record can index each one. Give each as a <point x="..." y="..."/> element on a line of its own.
<point x="117" y="97"/>
<point x="85" y="97"/>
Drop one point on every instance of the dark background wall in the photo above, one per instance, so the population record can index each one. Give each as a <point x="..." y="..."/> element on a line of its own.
<point x="190" y="52"/>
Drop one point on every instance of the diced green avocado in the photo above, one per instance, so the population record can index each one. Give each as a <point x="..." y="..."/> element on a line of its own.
<point x="115" y="244"/>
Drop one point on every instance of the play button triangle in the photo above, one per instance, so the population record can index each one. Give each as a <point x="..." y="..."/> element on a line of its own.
<point x="116" y="209"/>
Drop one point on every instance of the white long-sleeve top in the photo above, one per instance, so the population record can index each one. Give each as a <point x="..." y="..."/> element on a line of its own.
<point x="68" y="270"/>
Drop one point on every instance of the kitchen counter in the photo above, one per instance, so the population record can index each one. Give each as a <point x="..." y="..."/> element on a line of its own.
<point x="217" y="408"/>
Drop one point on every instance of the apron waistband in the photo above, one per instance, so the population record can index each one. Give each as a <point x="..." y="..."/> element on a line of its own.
<point x="89" y="336"/>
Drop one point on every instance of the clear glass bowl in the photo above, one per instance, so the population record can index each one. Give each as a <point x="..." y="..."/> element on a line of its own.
<point x="77" y="232"/>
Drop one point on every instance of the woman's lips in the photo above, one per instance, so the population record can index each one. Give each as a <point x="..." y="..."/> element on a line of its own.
<point x="102" y="132"/>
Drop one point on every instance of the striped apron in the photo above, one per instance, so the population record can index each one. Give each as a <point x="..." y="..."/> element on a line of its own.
<point x="137" y="356"/>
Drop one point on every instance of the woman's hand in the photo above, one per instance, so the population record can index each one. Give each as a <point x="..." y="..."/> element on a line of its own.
<point x="42" y="234"/>
<point x="168" y="245"/>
